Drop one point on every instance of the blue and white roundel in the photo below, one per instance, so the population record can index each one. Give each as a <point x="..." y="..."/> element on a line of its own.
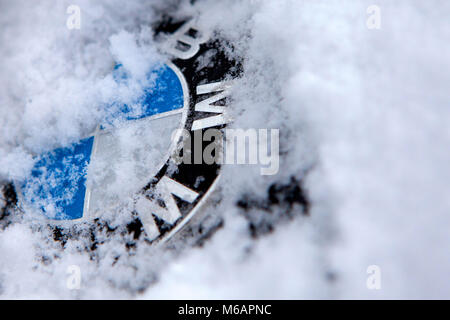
<point x="70" y="183"/>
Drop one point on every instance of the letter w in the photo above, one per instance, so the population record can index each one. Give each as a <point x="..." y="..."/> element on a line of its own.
<point x="207" y="105"/>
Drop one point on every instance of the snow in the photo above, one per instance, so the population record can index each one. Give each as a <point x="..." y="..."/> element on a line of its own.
<point x="363" y="117"/>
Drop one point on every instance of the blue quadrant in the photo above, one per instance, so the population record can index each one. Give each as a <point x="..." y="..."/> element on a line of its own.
<point x="57" y="184"/>
<point x="166" y="95"/>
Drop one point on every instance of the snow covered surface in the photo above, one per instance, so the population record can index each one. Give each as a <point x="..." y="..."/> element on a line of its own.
<point x="363" y="117"/>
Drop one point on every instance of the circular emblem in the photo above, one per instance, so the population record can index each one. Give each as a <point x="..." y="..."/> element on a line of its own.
<point x="188" y="97"/>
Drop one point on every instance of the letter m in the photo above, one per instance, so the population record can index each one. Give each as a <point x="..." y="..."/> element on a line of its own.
<point x="170" y="213"/>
